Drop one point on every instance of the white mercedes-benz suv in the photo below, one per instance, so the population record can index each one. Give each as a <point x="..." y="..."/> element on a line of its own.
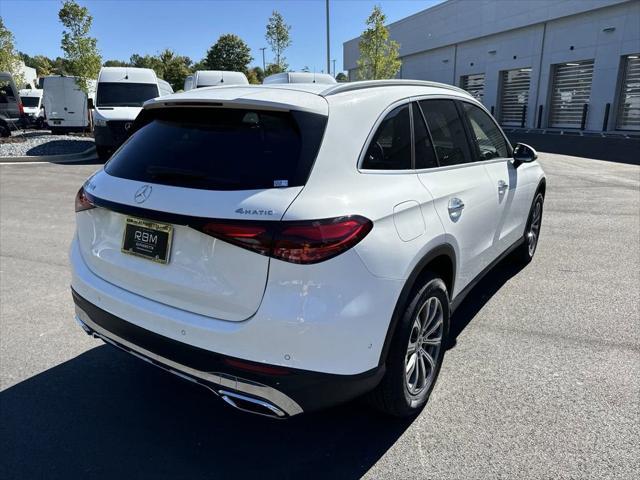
<point x="292" y="247"/>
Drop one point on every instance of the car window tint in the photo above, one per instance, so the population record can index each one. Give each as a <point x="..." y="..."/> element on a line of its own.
<point x="390" y="147"/>
<point x="487" y="136"/>
<point x="447" y="131"/>
<point x="220" y="148"/>
<point x="425" y="155"/>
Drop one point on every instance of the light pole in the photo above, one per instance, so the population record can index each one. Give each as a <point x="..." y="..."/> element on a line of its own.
<point x="263" y="64"/>
<point x="334" y="67"/>
<point x="328" y="44"/>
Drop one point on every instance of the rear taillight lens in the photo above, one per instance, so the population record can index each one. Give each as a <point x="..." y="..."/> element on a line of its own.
<point x="296" y="242"/>
<point x="83" y="202"/>
<point x="21" y="108"/>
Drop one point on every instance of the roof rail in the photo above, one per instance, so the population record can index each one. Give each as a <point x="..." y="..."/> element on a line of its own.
<point x="351" y="86"/>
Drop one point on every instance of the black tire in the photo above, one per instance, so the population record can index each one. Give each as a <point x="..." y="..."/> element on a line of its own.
<point x="525" y="252"/>
<point x="5" y="131"/>
<point x="56" y="131"/>
<point x="393" y="396"/>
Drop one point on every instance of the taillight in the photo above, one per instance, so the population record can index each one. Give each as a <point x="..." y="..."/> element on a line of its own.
<point x="21" y="108"/>
<point x="296" y="242"/>
<point x="252" y="236"/>
<point x="82" y="201"/>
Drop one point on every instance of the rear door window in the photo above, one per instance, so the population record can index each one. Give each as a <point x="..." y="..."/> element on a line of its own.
<point x="220" y="148"/>
<point x="390" y="147"/>
<point x="447" y="132"/>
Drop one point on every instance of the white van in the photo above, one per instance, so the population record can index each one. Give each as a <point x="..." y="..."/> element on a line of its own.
<point x="299" y="77"/>
<point x="212" y="78"/>
<point x="65" y="104"/>
<point x="119" y="97"/>
<point x="32" y="103"/>
<point x="188" y="83"/>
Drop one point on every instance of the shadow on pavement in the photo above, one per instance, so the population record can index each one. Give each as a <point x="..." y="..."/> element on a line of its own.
<point x="480" y="295"/>
<point x="59" y="147"/>
<point x="105" y="414"/>
<point x="610" y="148"/>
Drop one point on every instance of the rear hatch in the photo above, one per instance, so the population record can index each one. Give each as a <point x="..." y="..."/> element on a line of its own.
<point x="184" y="169"/>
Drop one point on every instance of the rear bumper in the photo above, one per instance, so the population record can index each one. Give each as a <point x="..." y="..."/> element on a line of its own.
<point x="286" y="393"/>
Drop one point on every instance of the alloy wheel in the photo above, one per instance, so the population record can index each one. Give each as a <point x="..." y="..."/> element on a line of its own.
<point x="424" y="346"/>
<point x="534" y="227"/>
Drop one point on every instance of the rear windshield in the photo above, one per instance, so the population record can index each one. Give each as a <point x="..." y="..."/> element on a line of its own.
<point x="30" y="101"/>
<point x="220" y="149"/>
<point x="114" y="94"/>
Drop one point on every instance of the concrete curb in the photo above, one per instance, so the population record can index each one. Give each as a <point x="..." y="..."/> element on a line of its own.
<point x="88" y="154"/>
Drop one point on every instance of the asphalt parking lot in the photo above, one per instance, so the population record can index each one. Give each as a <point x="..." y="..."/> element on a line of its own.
<point x="542" y="381"/>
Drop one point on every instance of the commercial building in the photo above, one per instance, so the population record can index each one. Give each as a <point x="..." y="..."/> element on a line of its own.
<point x="555" y="64"/>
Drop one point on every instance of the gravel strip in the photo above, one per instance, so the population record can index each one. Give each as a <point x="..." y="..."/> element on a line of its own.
<point x="41" y="142"/>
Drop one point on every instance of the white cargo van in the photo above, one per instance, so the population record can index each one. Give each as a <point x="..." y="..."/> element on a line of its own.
<point x="119" y="97"/>
<point x="32" y="103"/>
<point x="212" y="78"/>
<point x="65" y="104"/>
<point x="188" y="83"/>
<point x="299" y="77"/>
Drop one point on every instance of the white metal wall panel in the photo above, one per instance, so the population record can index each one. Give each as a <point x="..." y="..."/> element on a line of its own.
<point x="571" y="91"/>
<point x="629" y="101"/>
<point x="514" y="95"/>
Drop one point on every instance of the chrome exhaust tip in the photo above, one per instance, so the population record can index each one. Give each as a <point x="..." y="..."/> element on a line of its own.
<point x="251" y="405"/>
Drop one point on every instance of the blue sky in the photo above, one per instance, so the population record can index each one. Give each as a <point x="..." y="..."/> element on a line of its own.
<point x="189" y="27"/>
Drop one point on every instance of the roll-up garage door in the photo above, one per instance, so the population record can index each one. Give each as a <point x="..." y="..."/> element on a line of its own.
<point x="474" y="84"/>
<point x="514" y="95"/>
<point x="629" y="102"/>
<point x="571" y="91"/>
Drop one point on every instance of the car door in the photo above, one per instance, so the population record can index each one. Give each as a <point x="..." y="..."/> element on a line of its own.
<point x="460" y="187"/>
<point x="509" y="194"/>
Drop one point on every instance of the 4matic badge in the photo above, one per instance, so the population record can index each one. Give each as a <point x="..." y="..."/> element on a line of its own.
<point x="249" y="211"/>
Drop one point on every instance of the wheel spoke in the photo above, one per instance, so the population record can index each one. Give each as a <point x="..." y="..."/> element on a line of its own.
<point x="423" y="346"/>
<point x="425" y="355"/>
<point x="422" y="373"/>
<point x="411" y="364"/>
<point x="432" y="329"/>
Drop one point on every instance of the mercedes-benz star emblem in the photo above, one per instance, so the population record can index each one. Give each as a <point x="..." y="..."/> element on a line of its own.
<point x="127" y="126"/>
<point x="143" y="193"/>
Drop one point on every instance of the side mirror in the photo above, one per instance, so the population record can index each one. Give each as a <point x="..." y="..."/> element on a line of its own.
<point x="523" y="153"/>
<point x="90" y="105"/>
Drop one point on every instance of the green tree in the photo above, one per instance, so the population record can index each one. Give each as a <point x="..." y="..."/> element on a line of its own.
<point x="146" y="61"/>
<point x="255" y="75"/>
<point x="43" y="65"/>
<point x="378" y="53"/>
<point x="229" y="53"/>
<point x="10" y="60"/>
<point x="82" y="58"/>
<point x="174" y="68"/>
<point x="341" y="77"/>
<point x="115" y="63"/>
<point x="274" y="68"/>
<point x="167" y="65"/>
<point x="278" y="39"/>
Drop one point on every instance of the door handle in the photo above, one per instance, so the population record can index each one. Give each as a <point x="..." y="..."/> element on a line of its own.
<point x="455" y="206"/>
<point x="502" y="185"/>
